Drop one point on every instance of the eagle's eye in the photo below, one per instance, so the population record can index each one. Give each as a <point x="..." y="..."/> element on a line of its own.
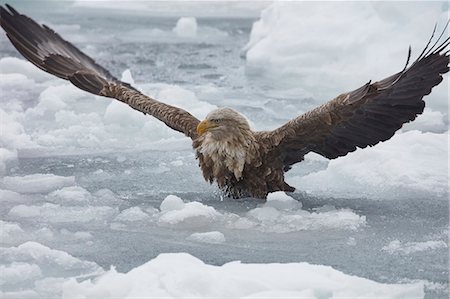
<point x="216" y="121"/>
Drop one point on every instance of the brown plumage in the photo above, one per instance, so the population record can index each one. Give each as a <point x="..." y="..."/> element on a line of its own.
<point x="243" y="162"/>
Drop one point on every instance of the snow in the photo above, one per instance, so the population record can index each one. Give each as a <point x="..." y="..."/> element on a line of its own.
<point x="186" y="27"/>
<point x="396" y="246"/>
<point x="87" y="184"/>
<point x="35" y="183"/>
<point x="70" y="195"/>
<point x="190" y="214"/>
<point x="214" y="9"/>
<point x="410" y="164"/>
<point x="214" y="237"/>
<point x="66" y="120"/>
<point x="55" y="213"/>
<point x="173" y="275"/>
<point x="132" y="215"/>
<point x="171" y="203"/>
<point x="40" y="270"/>
<point x="301" y="44"/>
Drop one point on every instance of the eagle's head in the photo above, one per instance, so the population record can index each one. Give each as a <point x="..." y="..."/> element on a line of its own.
<point x="222" y="122"/>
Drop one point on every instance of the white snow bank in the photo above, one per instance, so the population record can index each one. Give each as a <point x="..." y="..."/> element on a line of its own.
<point x="397" y="247"/>
<point x="316" y="45"/>
<point x="33" y="270"/>
<point x="177" y="275"/>
<point x="186" y="27"/>
<point x="409" y="164"/>
<point x="36" y="183"/>
<point x="214" y="237"/>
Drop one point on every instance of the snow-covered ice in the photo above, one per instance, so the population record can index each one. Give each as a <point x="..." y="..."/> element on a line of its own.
<point x="182" y="275"/>
<point x="396" y="246"/>
<point x="214" y="237"/>
<point x="411" y="164"/>
<point x="186" y="27"/>
<point x="35" y="183"/>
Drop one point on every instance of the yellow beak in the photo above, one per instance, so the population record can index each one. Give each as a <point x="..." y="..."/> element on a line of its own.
<point x="202" y="127"/>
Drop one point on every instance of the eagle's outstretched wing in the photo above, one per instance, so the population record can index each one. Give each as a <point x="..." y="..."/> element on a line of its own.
<point x="48" y="51"/>
<point x="363" y="117"/>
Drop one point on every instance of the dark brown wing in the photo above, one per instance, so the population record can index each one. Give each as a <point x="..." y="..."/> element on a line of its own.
<point x="363" y="117"/>
<point x="51" y="53"/>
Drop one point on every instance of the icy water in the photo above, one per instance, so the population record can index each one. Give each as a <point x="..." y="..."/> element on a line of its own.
<point x="385" y="240"/>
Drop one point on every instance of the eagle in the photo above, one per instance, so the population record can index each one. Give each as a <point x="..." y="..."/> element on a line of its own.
<point x="243" y="162"/>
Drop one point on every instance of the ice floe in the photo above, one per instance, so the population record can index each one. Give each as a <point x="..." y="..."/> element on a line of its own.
<point x="186" y="27"/>
<point x="411" y="164"/>
<point x="36" y="183"/>
<point x="398" y="247"/>
<point x="173" y="275"/>
<point x="214" y="237"/>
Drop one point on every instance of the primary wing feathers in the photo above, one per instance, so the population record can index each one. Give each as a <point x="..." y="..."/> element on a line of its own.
<point x="363" y="117"/>
<point x="50" y="52"/>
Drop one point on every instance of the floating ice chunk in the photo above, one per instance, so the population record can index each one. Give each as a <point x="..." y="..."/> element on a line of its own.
<point x="132" y="214"/>
<point x="396" y="246"/>
<point x="13" y="134"/>
<point x="70" y="195"/>
<point x="171" y="203"/>
<point x="176" y="163"/>
<point x="9" y="231"/>
<point x="15" y="272"/>
<point x="79" y="235"/>
<point x="5" y="156"/>
<point x="13" y="65"/>
<point x="33" y="270"/>
<point x="47" y="259"/>
<point x="192" y="214"/>
<point x="24" y="211"/>
<point x="174" y="275"/>
<point x="36" y="183"/>
<point x="351" y="241"/>
<point x="282" y="201"/>
<point x="184" y="98"/>
<point x="54" y="213"/>
<point x="270" y="219"/>
<point x="13" y="234"/>
<point x="214" y="237"/>
<point x="127" y="77"/>
<point x="10" y="196"/>
<point x="386" y="170"/>
<point x="429" y="121"/>
<point x="186" y="27"/>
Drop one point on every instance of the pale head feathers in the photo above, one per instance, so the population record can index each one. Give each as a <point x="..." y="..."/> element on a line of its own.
<point x="227" y="116"/>
<point x="228" y="143"/>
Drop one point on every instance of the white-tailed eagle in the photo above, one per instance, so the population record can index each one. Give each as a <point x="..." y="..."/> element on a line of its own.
<point x="241" y="161"/>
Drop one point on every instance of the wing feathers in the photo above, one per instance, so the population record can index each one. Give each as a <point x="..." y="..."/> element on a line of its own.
<point x="365" y="116"/>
